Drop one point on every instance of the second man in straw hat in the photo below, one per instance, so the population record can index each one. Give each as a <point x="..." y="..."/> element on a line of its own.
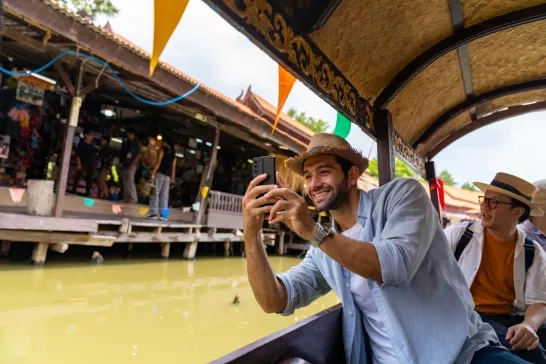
<point x="504" y="268"/>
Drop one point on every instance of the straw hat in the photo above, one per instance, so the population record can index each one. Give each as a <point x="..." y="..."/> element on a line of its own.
<point x="540" y="195"/>
<point x="514" y="187"/>
<point x="325" y="143"/>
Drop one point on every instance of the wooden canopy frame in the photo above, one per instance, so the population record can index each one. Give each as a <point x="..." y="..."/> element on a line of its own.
<point x="443" y="77"/>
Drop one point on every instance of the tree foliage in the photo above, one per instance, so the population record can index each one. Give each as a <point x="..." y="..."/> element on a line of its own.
<point x="89" y="9"/>
<point x="447" y="178"/>
<point x="401" y="170"/>
<point x="317" y="125"/>
<point x="469" y="186"/>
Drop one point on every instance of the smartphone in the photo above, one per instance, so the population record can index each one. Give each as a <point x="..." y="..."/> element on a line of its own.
<point x="266" y="164"/>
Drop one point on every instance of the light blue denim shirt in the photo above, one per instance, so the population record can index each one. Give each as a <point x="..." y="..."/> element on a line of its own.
<point x="424" y="299"/>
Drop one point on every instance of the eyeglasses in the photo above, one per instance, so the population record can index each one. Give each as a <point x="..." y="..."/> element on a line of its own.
<point x="492" y="203"/>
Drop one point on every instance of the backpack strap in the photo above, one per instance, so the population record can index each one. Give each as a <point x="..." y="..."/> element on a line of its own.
<point x="529" y="252"/>
<point x="463" y="241"/>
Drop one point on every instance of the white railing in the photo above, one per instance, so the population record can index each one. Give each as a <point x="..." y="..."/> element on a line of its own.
<point x="228" y="202"/>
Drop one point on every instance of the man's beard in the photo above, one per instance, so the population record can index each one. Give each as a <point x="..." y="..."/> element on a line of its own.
<point x="340" y="194"/>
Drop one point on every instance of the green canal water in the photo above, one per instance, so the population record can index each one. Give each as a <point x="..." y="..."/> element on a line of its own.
<point x="137" y="312"/>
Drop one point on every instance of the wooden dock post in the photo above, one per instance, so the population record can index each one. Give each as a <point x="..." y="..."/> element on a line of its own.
<point x="281" y="242"/>
<point x="227" y="248"/>
<point x="39" y="254"/>
<point x="4" y="249"/>
<point x="165" y="250"/>
<point x="191" y="248"/>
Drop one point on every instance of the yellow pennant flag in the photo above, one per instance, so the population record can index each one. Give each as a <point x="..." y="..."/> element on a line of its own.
<point x="167" y="15"/>
<point x="286" y="82"/>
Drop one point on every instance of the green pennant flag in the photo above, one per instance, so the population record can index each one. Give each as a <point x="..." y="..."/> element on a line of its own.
<point x="343" y="126"/>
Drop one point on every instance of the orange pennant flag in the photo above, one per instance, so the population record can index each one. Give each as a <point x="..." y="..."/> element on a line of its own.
<point x="167" y="15"/>
<point x="286" y="82"/>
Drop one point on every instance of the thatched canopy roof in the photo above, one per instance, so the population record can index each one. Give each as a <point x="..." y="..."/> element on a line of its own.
<point x="442" y="67"/>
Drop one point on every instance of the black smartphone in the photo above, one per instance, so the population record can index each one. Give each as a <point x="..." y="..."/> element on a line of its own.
<point x="266" y="164"/>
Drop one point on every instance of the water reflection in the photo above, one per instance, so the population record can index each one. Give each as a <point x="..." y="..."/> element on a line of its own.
<point x="137" y="312"/>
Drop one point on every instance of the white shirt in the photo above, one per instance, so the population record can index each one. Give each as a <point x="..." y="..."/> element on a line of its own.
<point x="380" y="342"/>
<point x="530" y="287"/>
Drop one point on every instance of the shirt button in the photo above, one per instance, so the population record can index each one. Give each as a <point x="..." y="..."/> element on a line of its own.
<point x="350" y="313"/>
<point x="347" y="285"/>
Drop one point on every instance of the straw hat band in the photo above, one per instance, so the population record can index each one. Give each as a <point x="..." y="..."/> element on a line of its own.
<point x="512" y="189"/>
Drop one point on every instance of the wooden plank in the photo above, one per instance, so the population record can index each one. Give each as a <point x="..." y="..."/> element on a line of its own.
<point x="57" y="238"/>
<point x="317" y="339"/>
<point x="147" y="237"/>
<point x="10" y="221"/>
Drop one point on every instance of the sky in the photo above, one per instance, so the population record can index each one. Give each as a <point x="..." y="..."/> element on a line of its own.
<point x="207" y="48"/>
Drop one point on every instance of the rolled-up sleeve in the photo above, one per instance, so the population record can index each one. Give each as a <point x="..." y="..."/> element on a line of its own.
<point x="410" y="225"/>
<point x="535" y="283"/>
<point x="304" y="283"/>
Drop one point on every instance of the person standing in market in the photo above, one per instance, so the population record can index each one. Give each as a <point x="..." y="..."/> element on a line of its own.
<point x="162" y="175"/>
<point x="129" y="166"/>
<point x="104" y="165"/>
<point x="86" y="156"/>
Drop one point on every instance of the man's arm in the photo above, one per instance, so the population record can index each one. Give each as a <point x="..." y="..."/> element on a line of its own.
<point x="535" y="315"/>
<point x="288" y="291"/>
<point x="394" y="256"/>
<point x="270" y="293"/>
<point x="173" y="172"/>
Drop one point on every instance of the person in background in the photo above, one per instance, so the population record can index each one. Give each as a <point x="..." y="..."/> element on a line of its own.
<point x="129" y="166"/>
<point x="163" y="175"/>
<point x="535" y="226"/>
<point x="384" y="254"/>
<point x="86" y="154"/>
<point x="503" y="268"/>
<point x="105" y="163"/>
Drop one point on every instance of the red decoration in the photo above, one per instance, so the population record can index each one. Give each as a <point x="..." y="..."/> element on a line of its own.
<point x="438" y="185"/>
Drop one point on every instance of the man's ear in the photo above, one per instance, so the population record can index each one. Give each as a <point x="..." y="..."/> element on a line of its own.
<point x="353" y="176"/>
<point x="519" y="211"/>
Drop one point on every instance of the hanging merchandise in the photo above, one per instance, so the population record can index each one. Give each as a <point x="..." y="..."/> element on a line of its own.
<point x="31" y="89"/>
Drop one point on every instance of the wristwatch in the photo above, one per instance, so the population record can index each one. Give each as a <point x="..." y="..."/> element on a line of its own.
<point x="322" y="232"/>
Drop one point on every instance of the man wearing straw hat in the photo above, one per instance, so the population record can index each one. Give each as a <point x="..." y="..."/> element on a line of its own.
<point x="385" y="255"/>
<point x="535" y="226"/>
<point x="503" y="267"/>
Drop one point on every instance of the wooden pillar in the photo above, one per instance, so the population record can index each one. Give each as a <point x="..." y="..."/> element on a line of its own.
<point x="68" y="141"/>
<point x="281" y="242"/>
<point x="385" y="146"/>
<point x="4" y="249"/>
<point x="39" y="254"/>
<point x="207" y="180"/>
<point x="165" y="250"/>
<point x="430" y="170"/>
<point x="191" y="249"/>
<point x="227" y="248"/>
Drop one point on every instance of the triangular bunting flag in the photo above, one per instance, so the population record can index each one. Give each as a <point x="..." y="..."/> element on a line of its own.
<point x="167" y="15"/>
<point x="286" y="82"/>
<point x="89" y="202"/>
<point x="343" y="126"/>
<point x="143" y="211"/>
<point x="16" y="194"/>
<point x="116" y="209"/>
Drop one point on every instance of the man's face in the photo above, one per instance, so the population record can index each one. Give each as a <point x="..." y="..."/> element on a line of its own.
<point x="327" y="185"/>
<point x="504" y="214"/>
<point x="130" y="136"/>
